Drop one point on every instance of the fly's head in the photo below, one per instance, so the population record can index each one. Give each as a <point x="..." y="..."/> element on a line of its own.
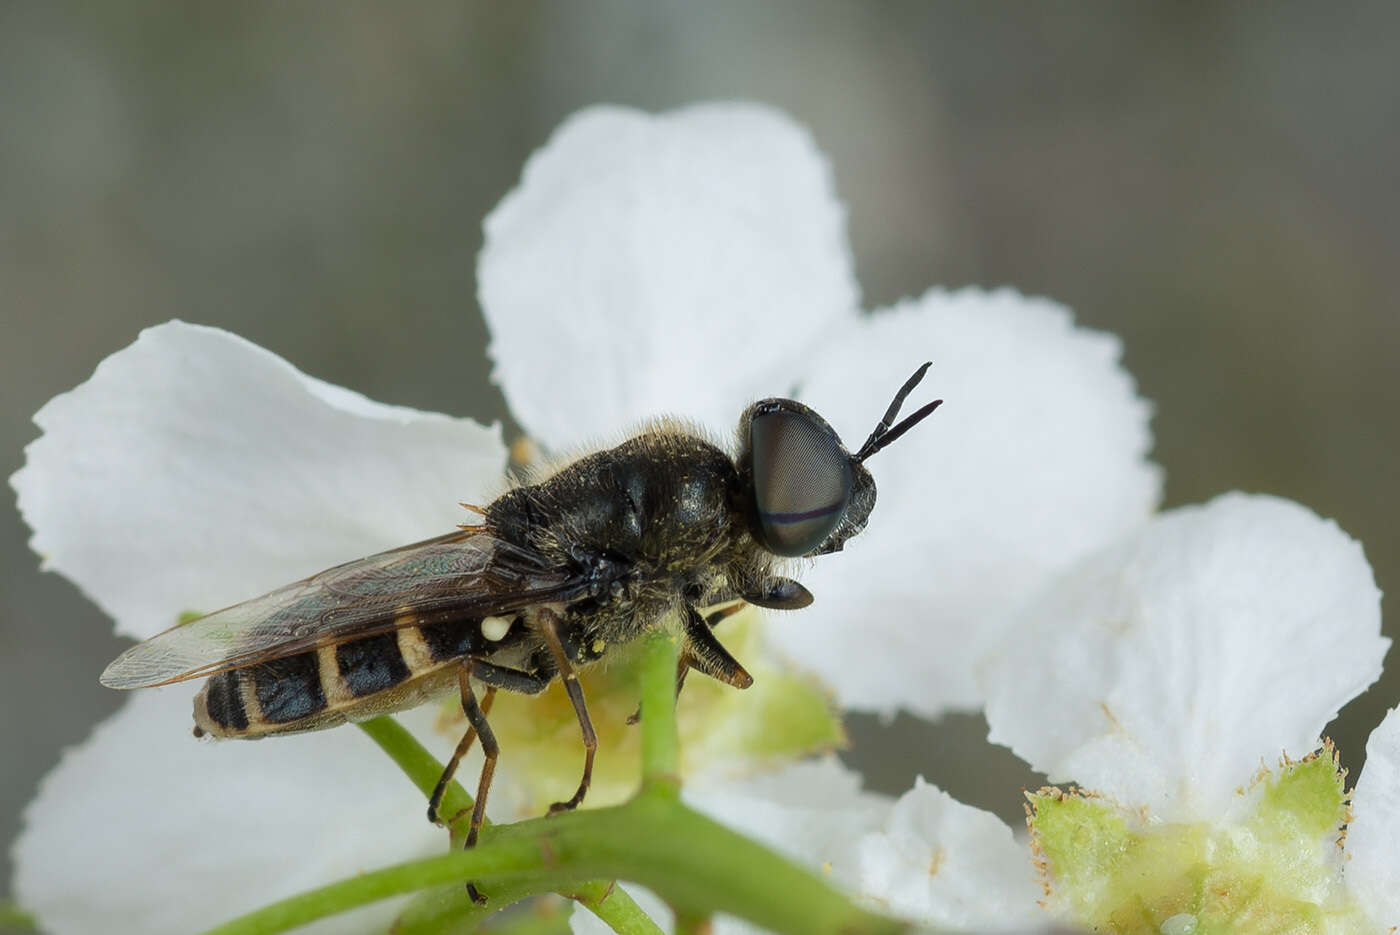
<point x="806" y="494"/>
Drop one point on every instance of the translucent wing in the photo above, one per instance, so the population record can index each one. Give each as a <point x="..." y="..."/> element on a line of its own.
<point x="463" y="574"/>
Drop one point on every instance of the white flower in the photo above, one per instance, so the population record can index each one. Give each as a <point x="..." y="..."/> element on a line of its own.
<point x="687" y="263"/>
<point x="1162" y="673"/>
<point x="697" y="260"/>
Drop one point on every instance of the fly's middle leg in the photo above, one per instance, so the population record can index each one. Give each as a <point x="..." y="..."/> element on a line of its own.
<point x="550" y="623"/>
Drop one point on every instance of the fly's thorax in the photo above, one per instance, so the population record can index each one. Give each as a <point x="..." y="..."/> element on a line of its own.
<point x="593" y="632"/>
<point x="662" y="502"/>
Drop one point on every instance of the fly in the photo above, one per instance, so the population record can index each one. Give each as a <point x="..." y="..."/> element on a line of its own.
<point x="603" y="550"/>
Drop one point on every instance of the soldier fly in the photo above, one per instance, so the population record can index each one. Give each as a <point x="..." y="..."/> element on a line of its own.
<point x="607" y="547"/>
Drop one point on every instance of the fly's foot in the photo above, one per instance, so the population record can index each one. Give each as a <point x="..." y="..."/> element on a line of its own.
<point x="568" y="806"/>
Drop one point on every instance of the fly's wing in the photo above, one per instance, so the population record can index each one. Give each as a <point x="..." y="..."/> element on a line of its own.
<point x="460" y="575"/>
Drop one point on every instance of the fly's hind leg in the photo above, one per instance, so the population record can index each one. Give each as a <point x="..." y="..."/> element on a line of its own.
<point x="435" y="800"/>
<point x="477" y="719"/>
<point x="494" y="677"/>
<point x="550" y="623"/>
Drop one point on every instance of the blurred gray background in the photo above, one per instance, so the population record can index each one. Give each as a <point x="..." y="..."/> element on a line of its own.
<point x="1216" y="184"/>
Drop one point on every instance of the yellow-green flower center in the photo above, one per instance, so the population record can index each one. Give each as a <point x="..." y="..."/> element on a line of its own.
<point x="1273" y="867"/>
<point x="783" y="716"/>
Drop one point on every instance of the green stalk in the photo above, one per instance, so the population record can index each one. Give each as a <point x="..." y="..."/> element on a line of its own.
<point x="420" y="766"/>
<point x="445" y="910"/>
<point x="379" y="884"/>
<point x="656" y="677"/>
<point x="694" y="863"/>
<point x="618" y="910"/>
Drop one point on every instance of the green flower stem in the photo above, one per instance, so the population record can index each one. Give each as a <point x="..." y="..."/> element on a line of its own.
<point x="365" y="888"/>
<point x="420" y="766"/>
<point x="619" y="910"/>
<point x="656" y="676"/>
<point x="694" y="863"/>
<point x="531" y="923"/>
<point x="697" y="865"/>
<point x="445" y="910"/>
<point x="441" y="910"/>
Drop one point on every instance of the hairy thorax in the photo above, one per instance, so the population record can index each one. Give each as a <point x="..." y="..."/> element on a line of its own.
<point x="656" y="520"/>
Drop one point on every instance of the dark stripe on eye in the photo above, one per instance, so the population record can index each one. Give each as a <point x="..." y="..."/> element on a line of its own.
<point x="452" y="639"/>
<point x="224" y="701"/>
<point x="371" y="665"/>
<point x="803" y="517"/>
<point x="288" y="689"/>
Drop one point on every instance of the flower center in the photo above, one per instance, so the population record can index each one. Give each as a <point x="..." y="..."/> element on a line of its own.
<point x="782" y="717"/>
<point x="1272" y="866"/>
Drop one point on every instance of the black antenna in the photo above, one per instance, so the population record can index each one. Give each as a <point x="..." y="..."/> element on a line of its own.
<point x="883" y="434"/>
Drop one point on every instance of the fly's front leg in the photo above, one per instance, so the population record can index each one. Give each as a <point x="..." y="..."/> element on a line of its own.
<point x="706" y="654"/>
<point x="713" y="618"/>
<point x="688" y="660"/>
<point x="549" y="626"/>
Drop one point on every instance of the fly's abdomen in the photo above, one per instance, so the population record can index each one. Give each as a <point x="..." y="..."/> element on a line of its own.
<point x="348" y="681"/>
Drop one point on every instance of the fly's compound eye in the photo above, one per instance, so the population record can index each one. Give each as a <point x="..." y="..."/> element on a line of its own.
<point x="801" y="480"/>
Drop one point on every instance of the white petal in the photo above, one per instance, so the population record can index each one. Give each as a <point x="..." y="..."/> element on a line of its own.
<point x="943" y="863"/>
<point x="811" y="811"/>
<point x="195" y="469"/>
<point x="1165" y="669"/>
<point x="1037" y="457"/>
<point x="926" y="857"/>
<point x="144" y="830"/>
<point x="679" y="263"/>
<point x="1373" y="873"/>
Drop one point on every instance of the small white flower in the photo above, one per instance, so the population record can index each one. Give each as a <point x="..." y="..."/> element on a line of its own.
<point x="687" y="263"/>
<point x="1162" y="674"/>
